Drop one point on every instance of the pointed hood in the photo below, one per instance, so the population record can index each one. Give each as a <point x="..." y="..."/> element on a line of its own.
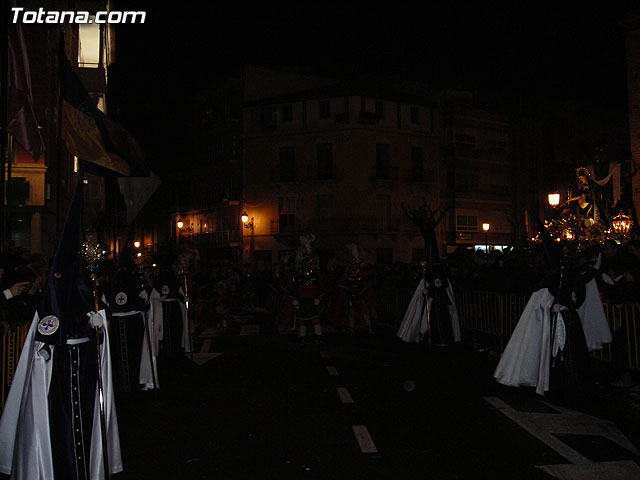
<point x="67" y="298"/>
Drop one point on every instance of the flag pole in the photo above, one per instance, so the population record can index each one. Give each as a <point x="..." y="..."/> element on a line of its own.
<point x="4" y="79"/>
<point x="92" y="254"/>
<point x="59" y="120"/>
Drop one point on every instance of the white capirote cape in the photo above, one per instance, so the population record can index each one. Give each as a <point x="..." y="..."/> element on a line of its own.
<point x="153" y="327"/>
<point x="25" y="443"/>
<point x="414" y="324"/>
<point x="526" y="359"/>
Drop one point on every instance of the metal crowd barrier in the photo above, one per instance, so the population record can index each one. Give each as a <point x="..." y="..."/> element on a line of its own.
<point x="492" y="317"/>
<point x="10" y="347"/>
<point x="489" y="318"/>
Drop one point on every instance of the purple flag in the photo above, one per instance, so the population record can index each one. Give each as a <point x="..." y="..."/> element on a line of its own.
<point x="22" y="123"/>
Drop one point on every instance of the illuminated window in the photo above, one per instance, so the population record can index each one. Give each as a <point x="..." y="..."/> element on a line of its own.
<point x="89" y="45"/>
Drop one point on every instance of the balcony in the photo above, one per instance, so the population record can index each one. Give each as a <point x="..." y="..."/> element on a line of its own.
<point x="368" y="118"/>
<point x="221" y="238"/>
<point x="355" y="224"/>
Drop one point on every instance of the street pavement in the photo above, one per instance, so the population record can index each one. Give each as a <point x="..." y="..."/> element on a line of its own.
<point x="251" y="403"/>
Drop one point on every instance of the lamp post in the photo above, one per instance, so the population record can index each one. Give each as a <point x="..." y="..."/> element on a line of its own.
<point x="246" y="223"/>
<point x="486" y="227"/>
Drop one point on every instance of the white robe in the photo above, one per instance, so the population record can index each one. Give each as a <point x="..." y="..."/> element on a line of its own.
<point x="153" y="322"/>
<point x="414" y="324"/>
<point x="526" y="359"/>
<point x="25" y="442"/>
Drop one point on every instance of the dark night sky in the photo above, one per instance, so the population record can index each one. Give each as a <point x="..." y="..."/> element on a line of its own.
<point x="506" y="51"/>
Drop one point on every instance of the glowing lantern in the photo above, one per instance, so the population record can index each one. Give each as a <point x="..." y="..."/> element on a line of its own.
<point x="621" y="224"/>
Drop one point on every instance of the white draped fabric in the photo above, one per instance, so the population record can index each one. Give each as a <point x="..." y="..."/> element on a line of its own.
<point x="527" y="356"/>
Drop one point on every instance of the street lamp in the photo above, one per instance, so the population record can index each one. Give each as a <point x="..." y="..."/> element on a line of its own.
<point x="136" y="244"/>
<point x="554" y="199"/>
<point x="180" y="224"/>
<point x="486" y="227"/>
<point x="248" y="224"/>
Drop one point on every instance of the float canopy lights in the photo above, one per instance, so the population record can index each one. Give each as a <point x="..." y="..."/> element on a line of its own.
<point x="554" y="199"/>
<point x="621" y="223"/>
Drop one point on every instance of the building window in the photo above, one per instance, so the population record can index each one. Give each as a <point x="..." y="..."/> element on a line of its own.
<point x="324" y="107"/>
<point x="463" y="139"/>
<point x="384" y="256"/>
<point x="89" y="45"/>
<point x="287" y="113"/>
<point x="383" y="213"/>
<point x="467" y="223"/>
<point x="466" y="182"/>
<point x="498" y="144"/>
<point x="269" y="118"/>
<point x="383" y="160"/>
<point x="287" y="207"/>
<point x="324" y="209"/>
<point x="287" y="164"/>
<point x="417" y="164"/>
<point x="498" y="189"/>
<point x="325" y="161"/>
<point x="415" y="115"/>
<point x="380" y="109"/>
<point x="287" y="222"/>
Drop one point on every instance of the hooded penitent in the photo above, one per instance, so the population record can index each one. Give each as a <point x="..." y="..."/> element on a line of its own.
<point x="561" y="323"/>
<point x="50" y="427"/>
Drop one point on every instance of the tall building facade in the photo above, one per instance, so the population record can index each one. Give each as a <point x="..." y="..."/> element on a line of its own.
<point x="341" y="160"/>
<point x="39" y="190"/>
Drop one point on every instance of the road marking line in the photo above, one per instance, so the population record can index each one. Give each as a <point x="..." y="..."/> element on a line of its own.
<point x="332" y="371"/>
<point x="205" y="346"/>
<point x="364" y="439"/>
<point x="345" y="396"/>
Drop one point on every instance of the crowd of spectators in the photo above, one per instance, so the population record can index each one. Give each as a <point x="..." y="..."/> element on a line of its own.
<point x="23" y="276"/>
